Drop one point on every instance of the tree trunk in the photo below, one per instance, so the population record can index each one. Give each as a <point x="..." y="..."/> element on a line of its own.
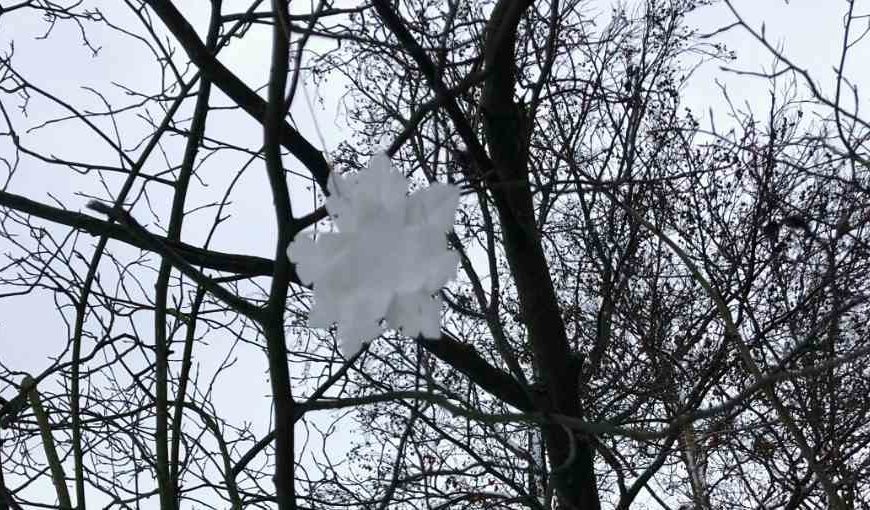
<point x="506" y="128"/>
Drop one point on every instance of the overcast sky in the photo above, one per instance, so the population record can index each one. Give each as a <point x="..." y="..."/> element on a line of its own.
<point x="809" y="31"/>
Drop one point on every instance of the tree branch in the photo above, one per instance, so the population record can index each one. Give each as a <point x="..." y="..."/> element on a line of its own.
<point x="121" y="216"/>
<point x="244" y="265"/>
<point x="240" y="93"/>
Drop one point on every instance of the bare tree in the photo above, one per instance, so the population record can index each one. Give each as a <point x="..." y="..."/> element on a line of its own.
<point x="651" y="311"/>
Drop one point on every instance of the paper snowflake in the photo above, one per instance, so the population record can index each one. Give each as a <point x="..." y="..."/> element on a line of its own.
<point x="386" y="262"/>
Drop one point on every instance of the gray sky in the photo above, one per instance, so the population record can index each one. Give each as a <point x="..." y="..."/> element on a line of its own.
<point x="810" y="32"/>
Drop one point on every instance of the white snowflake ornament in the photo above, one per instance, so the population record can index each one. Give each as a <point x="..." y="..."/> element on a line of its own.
<point x="387" y="260"/>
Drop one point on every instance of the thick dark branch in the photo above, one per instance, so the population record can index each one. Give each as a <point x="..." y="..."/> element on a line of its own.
<point x="154" y="244"/>
<point x="244" y="265"/>
<point x="430" y="106"/>
<point x="433" y="78"/>
<point x="505" y="128"/>
<point x="465" y="359"/>
<point x="240" y="93"/>
<point x="507" y="135"/>
<point x="273" y="319"/>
